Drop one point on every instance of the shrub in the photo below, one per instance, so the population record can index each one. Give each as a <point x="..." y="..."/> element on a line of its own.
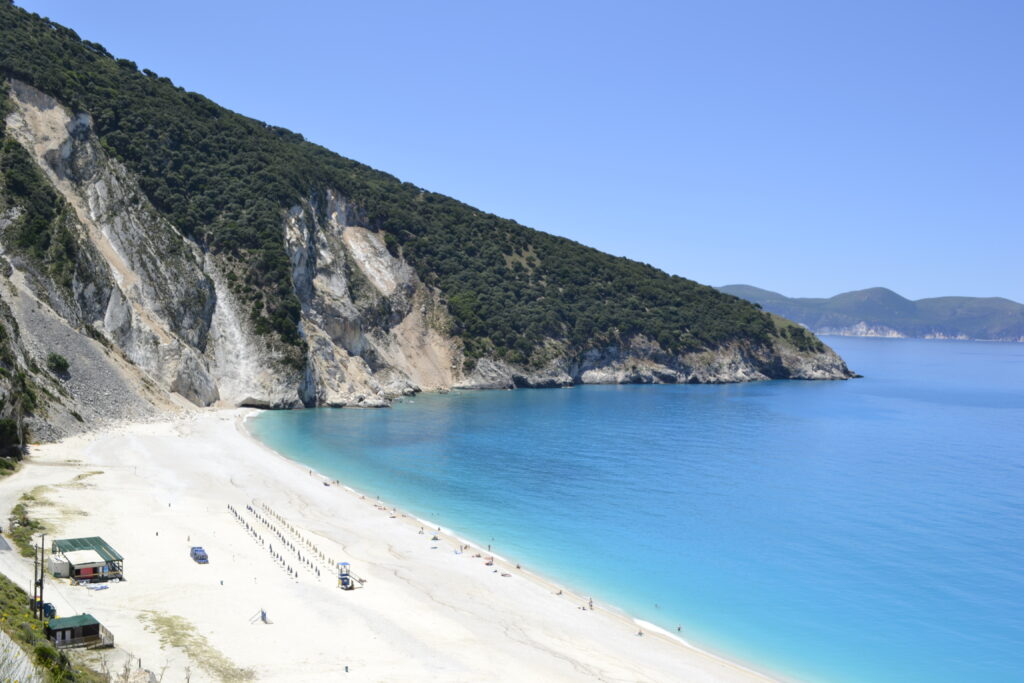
<point x="8" y="433"/>
<point x="57" y="364"/>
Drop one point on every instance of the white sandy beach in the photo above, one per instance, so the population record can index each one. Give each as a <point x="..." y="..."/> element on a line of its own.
<point x="425" y="612"/>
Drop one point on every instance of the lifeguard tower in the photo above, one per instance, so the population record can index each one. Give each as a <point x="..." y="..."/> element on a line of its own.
<point x="347" y="580"/>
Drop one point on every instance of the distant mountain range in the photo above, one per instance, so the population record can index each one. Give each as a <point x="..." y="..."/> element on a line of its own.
<point x="881" y="312"/>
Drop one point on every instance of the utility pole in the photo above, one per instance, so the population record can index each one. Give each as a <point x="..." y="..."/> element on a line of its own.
<point x="42" y="572"/>
<point x="35" y="575"/>
<point x="39" y="569"/>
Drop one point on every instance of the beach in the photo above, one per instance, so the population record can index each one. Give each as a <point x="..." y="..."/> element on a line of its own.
<point x="426" y="610"/>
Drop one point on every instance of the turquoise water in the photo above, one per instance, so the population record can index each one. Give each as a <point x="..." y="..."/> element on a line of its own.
<point x="870" y="530"/>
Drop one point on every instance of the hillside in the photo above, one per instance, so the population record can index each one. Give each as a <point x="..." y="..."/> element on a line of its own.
<point x="169" y="249"/>
<point x="882" y="312"/>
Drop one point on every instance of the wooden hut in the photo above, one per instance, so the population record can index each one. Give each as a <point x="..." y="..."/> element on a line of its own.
<point x="83" y="630"/>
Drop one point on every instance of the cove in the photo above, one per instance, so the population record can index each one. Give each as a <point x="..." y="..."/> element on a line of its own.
<point x="837" y="531"/>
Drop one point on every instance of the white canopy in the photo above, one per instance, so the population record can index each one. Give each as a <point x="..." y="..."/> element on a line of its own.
<point x="84" y="558"/>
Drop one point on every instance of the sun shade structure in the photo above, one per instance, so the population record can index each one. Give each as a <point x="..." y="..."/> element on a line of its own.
<point x="86" y="559"/>
<point x="91" y="543"/>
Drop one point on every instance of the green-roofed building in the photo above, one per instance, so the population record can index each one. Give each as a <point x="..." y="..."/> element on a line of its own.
<point x="82" y="630"/>
<point x="86" y="559"/>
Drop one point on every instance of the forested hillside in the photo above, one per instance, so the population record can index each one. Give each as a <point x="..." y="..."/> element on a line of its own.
<point x="227" y="180"/>
<point x="881" y="311"/>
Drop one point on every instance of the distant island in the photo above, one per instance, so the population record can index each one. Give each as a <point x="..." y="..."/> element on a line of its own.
<point x="881" y="312"/>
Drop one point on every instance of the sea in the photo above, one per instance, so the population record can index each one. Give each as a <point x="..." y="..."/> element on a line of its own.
<point x="861" y="530"/>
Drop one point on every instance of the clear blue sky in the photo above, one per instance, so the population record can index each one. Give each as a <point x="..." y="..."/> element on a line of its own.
<point x="805" y="147"/>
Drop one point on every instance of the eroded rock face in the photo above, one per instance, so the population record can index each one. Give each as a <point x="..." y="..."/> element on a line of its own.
<point x="151" y="311"/>
<point x="139" y="284"/>
<point x="374" y="329"/>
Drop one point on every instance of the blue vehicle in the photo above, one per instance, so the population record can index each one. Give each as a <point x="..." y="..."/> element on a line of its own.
<point x="199" y="555"/>
<point x="49" y="611"/>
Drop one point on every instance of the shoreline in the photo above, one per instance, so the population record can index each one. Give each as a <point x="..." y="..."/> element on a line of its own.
<point x="546" y="582"/>
<point x="429" y="609"/>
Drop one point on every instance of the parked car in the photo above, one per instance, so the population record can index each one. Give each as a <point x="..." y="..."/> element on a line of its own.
<point x="49" y="611"/>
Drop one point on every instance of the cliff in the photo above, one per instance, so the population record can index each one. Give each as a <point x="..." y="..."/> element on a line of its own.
<point x="352" y="289"/>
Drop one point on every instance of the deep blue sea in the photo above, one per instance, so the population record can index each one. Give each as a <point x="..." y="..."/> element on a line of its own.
<point x="868" y="530"/>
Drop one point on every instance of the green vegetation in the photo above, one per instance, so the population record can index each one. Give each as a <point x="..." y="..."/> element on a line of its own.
<point x="798" y="336"/>
<point x="178" y="632"/>
<point x="226" y="181"/>
<point x="21" y="399"/>
<point x="22" y="528"/>
<point x="57" y="364"/>
<point x="8" y="434"/>
<point x="79" y="478"/>
<point x="17" y="621"/>
<point x="11" y="403"/>
<point x="41" y="230"/>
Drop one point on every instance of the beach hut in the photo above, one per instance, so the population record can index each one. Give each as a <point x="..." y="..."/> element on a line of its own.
<point x="86" y="559"/>
<point x="82" y="630"/>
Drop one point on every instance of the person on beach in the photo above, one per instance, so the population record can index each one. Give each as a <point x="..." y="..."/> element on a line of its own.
<point x="591" y="604"/>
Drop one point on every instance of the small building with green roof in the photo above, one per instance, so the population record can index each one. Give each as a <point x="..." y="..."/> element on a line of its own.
<point x="81" y="630"/>
<point x="86" y="559"/>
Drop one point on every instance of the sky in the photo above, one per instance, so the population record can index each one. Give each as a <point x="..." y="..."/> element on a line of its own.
<point x="809" y="148"/>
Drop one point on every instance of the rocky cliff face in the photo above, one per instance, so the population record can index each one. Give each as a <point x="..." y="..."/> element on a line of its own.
<point x="374" y="330"/>
<point x="148" y="321"/>
<point x="641" y="361"/>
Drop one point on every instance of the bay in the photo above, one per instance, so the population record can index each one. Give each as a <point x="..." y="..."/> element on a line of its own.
<point x="829" y="531"/>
